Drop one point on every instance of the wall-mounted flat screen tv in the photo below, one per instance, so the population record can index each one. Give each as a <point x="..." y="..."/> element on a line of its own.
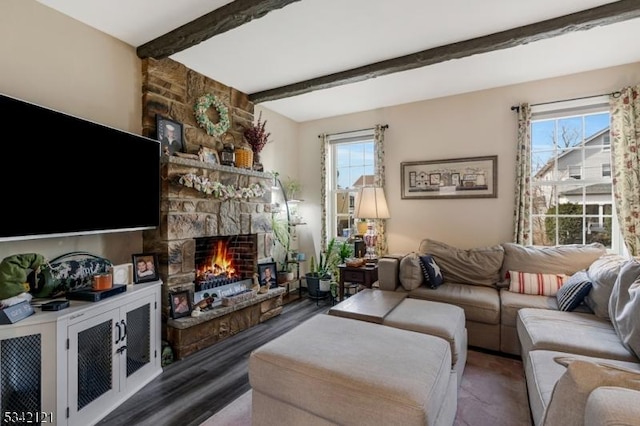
<point x="61" y="175"/>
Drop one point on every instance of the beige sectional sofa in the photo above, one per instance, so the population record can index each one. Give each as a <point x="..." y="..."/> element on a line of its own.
<point x="476" y="280"/>
<point x="581" y="366"/>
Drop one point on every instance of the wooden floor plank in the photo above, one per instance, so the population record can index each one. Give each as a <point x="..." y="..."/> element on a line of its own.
<point x="191" y="390"/>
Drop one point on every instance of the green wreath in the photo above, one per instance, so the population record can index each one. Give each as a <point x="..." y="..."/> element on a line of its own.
<point x="202" y="105"/>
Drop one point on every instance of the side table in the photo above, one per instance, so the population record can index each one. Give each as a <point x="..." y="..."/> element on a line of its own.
<point x="365" y="275"/>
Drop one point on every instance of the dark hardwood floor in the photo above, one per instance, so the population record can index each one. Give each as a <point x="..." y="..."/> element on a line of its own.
<point x="191" y="390"/>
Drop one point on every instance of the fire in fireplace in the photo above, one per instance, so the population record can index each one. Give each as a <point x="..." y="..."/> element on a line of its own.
<point x="221" y="261"/>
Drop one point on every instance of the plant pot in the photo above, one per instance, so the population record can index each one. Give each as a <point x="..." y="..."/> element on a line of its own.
<point x="313" y="285"/>
<point x="284" y="277"/>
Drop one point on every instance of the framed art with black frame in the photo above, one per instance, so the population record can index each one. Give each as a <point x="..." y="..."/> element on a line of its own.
<point x="145" y="267"/>
<point x="180" y="303"/>
<point x="169" y="133"/>
<point x="267" y="274"/>
<point x="472" y="177"/>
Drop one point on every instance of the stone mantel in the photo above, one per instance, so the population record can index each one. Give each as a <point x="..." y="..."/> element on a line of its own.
<point x="188" y="162"/>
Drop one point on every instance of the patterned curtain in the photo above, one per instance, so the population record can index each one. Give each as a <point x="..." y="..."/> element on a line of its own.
<point x="324" y="152"/>
<point x="625" y="168"/>
<point x="522" y="209"/>
<point x="379" y="181"/>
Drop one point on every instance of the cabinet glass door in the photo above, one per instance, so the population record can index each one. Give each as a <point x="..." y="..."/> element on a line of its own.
<point x="20" y="377"/>
<point x="93" y="381"/>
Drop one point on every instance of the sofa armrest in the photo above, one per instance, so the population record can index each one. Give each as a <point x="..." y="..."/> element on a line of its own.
<point x="388" y="271"/>
<point x="608" y="405"/>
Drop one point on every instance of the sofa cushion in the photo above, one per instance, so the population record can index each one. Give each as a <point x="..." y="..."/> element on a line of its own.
<point x="431" y="271"/>
<point x="410" y="273"/>
<point x="573" y="332"/>
<point x="570" y="393"/>
<point x="573" y="292"/>
<point x="624" y="306"/>
<point x="564" y="259"/>
<point x="481" y="304"/>
<point x="603" y="273"/>
<point x="511" y="303"/>
<point x="476" y="266"/>
<point x="542" y="373"/>
<point x="535" y="283"/>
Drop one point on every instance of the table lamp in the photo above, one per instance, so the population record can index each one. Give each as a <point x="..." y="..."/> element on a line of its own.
<point x="371" y="204"/>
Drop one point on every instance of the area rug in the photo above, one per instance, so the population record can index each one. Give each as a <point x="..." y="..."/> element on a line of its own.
<point x="493" y="393"/>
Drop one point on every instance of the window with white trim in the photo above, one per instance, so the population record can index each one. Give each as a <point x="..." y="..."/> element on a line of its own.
<point x="571" y="186"/>
<point x="350" y="165"/>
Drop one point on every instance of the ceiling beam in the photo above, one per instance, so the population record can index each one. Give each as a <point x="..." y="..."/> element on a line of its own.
<point x="603" y="15"/>
<point x="223" y="19"/>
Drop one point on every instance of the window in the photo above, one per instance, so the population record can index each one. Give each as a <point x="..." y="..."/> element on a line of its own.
<point x="571" y="188"/>
<point x="351" y="165"/>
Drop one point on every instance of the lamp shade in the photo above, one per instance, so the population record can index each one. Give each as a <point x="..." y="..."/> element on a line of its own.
<point x="371" y="204"/>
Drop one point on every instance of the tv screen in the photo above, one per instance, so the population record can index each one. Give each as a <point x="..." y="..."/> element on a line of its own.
<point x="61" y="175"/>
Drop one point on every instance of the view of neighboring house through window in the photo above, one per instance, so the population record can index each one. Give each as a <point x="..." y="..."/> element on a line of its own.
<point x="351" y="166"/>
<point x="571" y="187"/>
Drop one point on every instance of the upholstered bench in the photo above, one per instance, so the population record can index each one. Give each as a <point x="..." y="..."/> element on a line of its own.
<point x="395" y="309"/>
<point x="332" y="370"/>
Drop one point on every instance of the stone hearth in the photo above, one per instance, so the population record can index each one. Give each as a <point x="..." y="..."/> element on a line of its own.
<point x="187" y="214"/>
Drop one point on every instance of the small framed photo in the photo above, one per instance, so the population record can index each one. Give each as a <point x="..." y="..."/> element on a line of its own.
<point x="208" y="155"/>
<point x="180" y="302"/>
<point x="145" y="267"/>
<point x="267" y="274"/>
<point x="169" y="133"/>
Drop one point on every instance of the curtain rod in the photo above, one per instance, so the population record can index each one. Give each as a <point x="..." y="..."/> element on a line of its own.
<point x="517" y="107"/>
<point x="384" y="126"/>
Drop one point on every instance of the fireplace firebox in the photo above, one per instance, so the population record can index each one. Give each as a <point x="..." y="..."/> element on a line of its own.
<point x="224" y="260"/>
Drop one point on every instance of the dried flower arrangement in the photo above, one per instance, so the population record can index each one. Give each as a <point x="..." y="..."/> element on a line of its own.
<point x="256" y="135"/>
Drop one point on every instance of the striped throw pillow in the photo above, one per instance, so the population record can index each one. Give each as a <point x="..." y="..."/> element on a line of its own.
<point x="540" y="284"/>
<point x="573" y="292"/>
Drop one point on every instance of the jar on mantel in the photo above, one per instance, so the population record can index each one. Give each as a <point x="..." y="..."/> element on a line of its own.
<point x="228" y="155"/>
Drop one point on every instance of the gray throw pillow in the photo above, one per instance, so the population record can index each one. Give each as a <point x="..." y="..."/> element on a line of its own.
<point x="476" y="266"/>
<point x="624" y="306"/>
<point x="410" y="273"/>
<point x="602" y="274"/>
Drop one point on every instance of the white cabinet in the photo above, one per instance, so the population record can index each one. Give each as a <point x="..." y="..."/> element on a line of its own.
<point x="81" y="363"/>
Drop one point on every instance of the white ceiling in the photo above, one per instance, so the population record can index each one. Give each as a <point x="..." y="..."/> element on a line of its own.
<point x="312" y="38"/>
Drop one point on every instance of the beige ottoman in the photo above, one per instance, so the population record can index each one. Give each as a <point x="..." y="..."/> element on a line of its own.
<point x="331" y="370"/>
<point x="436" y="319"/>
<point x="395" y="309"/>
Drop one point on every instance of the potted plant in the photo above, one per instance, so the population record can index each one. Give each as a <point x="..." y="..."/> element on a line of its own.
<point x="280" y="251"/>
<point x="345" y="251"/>
<point x="257" y="137"/>
<point x="320" y="273"/>
<point x="292" y="188"/>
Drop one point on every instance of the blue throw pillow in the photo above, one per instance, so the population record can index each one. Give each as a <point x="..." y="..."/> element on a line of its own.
<point x="573" y="291"/>
<point x="431" y="271"/>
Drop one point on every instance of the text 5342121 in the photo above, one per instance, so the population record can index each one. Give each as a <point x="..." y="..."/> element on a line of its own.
<point x="28" y="417"/>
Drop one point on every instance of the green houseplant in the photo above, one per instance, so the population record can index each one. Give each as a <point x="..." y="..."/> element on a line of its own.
<point x="322" y="271"/>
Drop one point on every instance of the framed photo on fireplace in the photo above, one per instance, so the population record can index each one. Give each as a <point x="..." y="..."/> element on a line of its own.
<point x="180" y="303"/>
<point x="145" y="267"/>
<point x="267" y="274"/>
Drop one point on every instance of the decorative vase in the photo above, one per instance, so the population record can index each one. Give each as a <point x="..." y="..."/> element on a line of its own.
<point x="257" y="165"/>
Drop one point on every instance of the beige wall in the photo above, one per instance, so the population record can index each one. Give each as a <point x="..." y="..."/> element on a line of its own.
<point x="50" y="59"/>
<point x="474" y="124"/>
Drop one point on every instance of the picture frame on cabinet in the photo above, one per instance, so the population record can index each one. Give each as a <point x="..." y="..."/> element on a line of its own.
<point x="145" y="267"/>
<point x="180" y="302"/>
<point x="169" y="133"/>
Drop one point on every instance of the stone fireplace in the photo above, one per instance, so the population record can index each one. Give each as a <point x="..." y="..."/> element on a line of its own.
<point x="205" y="242"/>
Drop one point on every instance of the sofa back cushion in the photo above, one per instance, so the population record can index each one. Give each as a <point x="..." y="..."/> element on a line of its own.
<point x="603" y="273"/>
<point x="476" y="266"/>
<point x="624" y="306"/>
<point x="564" y="259"/>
